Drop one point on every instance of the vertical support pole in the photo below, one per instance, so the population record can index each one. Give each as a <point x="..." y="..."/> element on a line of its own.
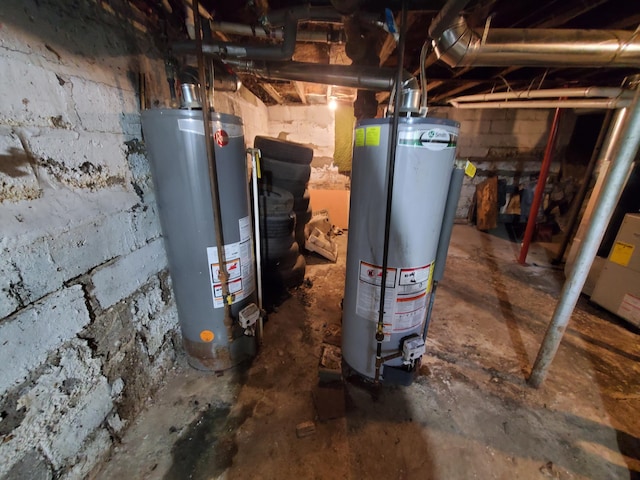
<point x="582" y="192"/>
<point x="542" y="180"/>
<point x="213" y="172"/>
<point x="605" y="205"/>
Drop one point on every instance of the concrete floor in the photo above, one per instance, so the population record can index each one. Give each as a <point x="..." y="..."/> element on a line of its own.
<point x="468" y="415"/>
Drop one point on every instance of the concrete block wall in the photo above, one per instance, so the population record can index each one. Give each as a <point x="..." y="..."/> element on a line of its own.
<point x="312" y="125"/>
<point x="244" y="104"/>
<point x="509" y="143"/>
<point x="88" y="324"/>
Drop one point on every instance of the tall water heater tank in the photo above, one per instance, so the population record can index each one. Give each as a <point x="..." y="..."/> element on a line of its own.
<point x="424" y="161"/>
<point x="179" y="165"/>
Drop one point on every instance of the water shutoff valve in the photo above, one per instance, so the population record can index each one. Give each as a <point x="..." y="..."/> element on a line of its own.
<point x="412" y="349"/>
<point x="249" y="315"/>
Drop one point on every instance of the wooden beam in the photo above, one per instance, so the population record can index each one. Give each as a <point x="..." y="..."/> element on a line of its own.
<point x="389" y="45"/>
<point x="272" y="92"/>
<point x="300" y="90"/>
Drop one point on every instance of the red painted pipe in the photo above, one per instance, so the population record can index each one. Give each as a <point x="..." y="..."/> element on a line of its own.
<point x="542" y="180"/>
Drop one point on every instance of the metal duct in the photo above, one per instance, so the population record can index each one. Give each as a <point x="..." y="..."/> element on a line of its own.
<point x="459" y="45"/>
<point x="361" y="77"/>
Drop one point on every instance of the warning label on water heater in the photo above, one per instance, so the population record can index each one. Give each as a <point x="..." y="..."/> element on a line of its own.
<point x="239" y="266"/>
<point x="405" y="297"/>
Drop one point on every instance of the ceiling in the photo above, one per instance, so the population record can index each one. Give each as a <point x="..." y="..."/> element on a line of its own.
<point x="368" y="44"/>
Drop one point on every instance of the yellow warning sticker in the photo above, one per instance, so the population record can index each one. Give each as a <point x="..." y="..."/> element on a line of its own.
<point x="622" y="253"/>
<point x="207" y="336"/>
<point x="470" y="169"/>
<point x="430" y="279"/>
<point x="372" y="137"/>
<point x="359" y="137"/>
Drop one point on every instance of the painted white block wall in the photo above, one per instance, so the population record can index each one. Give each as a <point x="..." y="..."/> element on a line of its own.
<point x="88" y="322"/>
<point x="311" y="125"/>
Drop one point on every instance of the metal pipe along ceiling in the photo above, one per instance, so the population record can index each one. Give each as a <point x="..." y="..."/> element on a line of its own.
<point x="362" y="77"/>
<point x="284" y="51"/>
<point x="459" y="45"/>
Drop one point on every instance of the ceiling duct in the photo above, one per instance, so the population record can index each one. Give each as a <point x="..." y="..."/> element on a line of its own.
<point x="457" y="44"/>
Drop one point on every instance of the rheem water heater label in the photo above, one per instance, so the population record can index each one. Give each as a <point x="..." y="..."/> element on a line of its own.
<point x="239" y="266"/>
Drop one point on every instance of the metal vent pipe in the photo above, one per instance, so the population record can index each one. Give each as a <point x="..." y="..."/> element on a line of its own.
<point x="459" y="45"/>
<point x="354" y="76"/>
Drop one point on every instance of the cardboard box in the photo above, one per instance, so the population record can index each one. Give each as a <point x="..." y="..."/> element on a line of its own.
<point x="336" y="202"/>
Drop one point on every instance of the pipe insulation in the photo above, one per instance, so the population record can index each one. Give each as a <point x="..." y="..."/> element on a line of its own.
<point x="584" y="103"/>
<point x="550" y="93"/>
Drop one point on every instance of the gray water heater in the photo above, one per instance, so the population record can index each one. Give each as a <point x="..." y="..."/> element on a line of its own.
<point x="179" y="165"/>
<point x="424" y="162"/>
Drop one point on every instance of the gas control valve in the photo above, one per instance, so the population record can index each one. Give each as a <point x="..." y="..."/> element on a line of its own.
<point x="413" y="348"/>
<point x="248" y="317"/>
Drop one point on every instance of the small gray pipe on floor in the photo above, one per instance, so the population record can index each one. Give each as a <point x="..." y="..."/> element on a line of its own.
<point x="611" y="189"/>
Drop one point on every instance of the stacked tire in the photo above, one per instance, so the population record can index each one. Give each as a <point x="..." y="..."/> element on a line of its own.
<point x="287" y="165"/>
<point x="284" y="208"/>
<point x="284" y="266"/>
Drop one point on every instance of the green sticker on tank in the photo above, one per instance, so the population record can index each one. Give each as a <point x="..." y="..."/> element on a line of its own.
<point x="359" y="137"/>
<point x="432" y="139"/>
<point x="372" y="137"/>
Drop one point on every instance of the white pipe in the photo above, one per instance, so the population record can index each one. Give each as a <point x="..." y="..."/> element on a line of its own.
<point x="256" y="227"/>
<point x="605" y="205"/>
<point x="588" y="92"/>
<point x="595" y="104"/>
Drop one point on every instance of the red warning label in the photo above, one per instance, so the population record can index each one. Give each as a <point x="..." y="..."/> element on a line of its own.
<point x="221" y="137"/>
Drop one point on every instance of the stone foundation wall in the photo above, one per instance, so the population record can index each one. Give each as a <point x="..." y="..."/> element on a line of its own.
<point x="88" y="324"/>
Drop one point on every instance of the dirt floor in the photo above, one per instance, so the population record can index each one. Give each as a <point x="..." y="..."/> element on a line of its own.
<point x="469" y="414"/>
